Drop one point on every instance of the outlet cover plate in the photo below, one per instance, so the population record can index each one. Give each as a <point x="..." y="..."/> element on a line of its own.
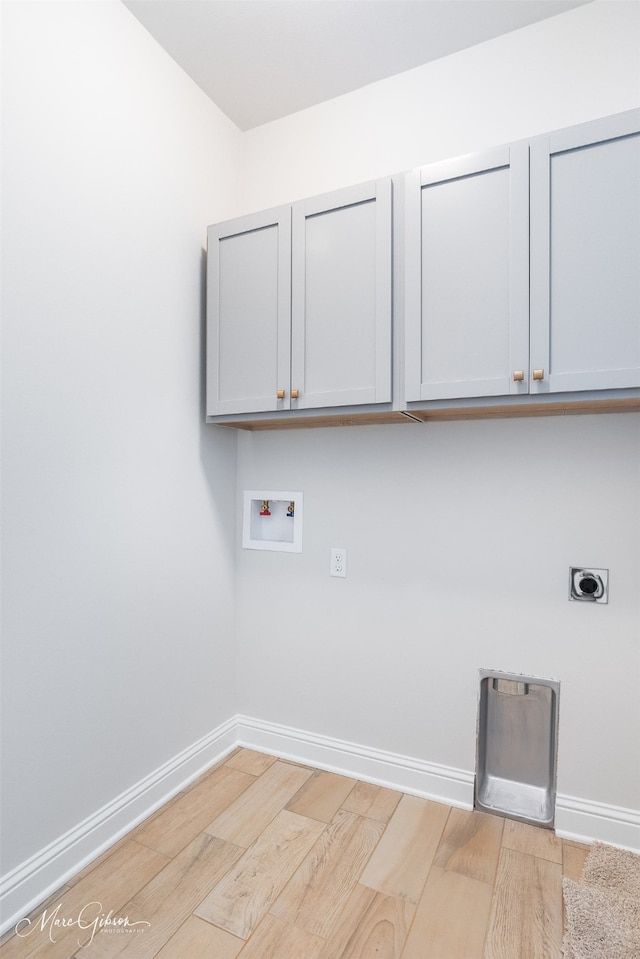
<point x="587" y="584"/>
<point x="338" y="565"/>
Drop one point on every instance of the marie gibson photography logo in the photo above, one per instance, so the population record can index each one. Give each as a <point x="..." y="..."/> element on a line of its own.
<point x="91" y="917"/>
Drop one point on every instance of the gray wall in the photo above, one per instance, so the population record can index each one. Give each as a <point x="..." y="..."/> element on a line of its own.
<point x="459" y="539"/>
<point x="118" y="508"/>
<point x="447" y="524"/>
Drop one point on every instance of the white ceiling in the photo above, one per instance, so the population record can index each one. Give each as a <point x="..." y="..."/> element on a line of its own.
<point x="260" y="60"/>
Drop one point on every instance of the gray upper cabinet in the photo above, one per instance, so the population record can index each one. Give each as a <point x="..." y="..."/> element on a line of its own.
<point x="520" y="290"/>
<point x="249" y="313"/>
<point x="523" y="267"/>
<point x="467" y="277"/>
<point x="585" y="256"/>
<point x="299" y="305"/>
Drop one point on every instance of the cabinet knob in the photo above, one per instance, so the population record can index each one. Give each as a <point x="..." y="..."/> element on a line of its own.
<point x="295" y="394"/>
<point x="538" y="374"/>
<point x="518" y="376"/>
<point x="281" y="394"/>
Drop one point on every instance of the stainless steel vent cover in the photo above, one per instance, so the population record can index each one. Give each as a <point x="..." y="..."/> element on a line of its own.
<point x="517" y="746"/>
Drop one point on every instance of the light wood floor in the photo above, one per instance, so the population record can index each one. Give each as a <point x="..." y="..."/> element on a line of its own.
<point x="266" y="859"/>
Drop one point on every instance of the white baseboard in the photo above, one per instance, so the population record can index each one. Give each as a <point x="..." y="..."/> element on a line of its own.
<point x="576" y="819"/>
<point x="414" y="776"/>
<point x="34" y="880"/>
<point x="30" y="883"/>
<point x="585" y="821"/>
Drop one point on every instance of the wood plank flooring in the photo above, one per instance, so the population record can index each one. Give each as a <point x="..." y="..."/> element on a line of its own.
<point x="267" y="859"/>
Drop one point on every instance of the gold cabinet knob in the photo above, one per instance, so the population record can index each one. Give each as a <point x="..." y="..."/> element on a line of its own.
<point x="295" y="394"/>
<point x="518" y="376"/>
<point x="538" y="374"/>
<point x="280" y="394"/>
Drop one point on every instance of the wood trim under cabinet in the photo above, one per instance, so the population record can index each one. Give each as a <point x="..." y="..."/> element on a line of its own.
<point x="625" y="405"/>
<point x="309" y="422"/>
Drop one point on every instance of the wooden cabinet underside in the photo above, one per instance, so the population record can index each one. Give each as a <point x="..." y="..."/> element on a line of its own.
<point x="625" y="405"/>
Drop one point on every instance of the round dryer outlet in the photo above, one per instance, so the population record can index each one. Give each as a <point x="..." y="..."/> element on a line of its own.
<point x="589" y="585"/>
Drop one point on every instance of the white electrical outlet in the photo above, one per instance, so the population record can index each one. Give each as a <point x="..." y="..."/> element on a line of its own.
<point x="338" y="561"/>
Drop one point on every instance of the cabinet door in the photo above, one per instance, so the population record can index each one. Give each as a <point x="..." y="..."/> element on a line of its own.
<point x="341" y="298"/>
<point x="585" y="256"/>
<point x="249" y="313"/>
<point x="467" y="286"/>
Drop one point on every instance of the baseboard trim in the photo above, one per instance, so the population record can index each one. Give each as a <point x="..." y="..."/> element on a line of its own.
<point x="577" y="819"/>
<point x="30" y="883"/>
<point x="588" y="821"/>
<point x="34" y="880"/>
<point x="428" y="780"/>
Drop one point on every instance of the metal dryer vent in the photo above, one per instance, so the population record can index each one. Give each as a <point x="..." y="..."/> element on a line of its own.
<point x="517" y="747"/>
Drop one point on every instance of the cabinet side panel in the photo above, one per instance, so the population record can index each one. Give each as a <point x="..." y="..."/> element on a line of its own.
<point x="595" y="261"/>
<point x="412" y="312"/>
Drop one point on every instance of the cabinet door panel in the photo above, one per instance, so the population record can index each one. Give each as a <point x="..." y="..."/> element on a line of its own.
<point x="467" y="276"/>
<point x="341" y="298"/>
<point x="248" y="291"/>
<point x="585" y="256"/>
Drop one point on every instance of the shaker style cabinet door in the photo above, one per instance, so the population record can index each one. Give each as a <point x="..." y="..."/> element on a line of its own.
<point x="585" y="256"/>
<point x="249" y="313"/>
<point x="341" y="298"/>
<point x="467" y="285"/>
